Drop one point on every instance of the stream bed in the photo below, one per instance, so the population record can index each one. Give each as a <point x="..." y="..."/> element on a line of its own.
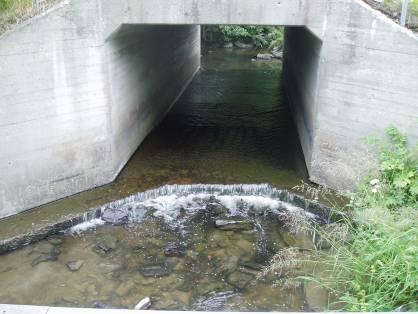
<point x="205" y="248"/>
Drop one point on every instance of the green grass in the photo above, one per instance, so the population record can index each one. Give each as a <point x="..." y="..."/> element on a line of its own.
<point x="14" y="12"/>
<point x="372" y="263"/>
<point x="378" y="269"/>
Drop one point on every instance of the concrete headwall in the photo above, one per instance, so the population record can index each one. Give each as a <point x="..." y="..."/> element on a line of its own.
<point x="74" y="105"/>
<point x="367" y="80"/>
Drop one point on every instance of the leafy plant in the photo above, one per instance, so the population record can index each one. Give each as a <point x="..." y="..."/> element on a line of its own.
<point x="372" y="260"/>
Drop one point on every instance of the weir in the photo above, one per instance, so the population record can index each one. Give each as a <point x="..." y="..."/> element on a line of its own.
<point x="83" y="84"/>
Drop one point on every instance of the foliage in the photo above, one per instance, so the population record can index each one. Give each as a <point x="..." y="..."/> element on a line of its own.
<point x="372" y="263"/>
<point x="260" y="36"/>
<point x="378" y="269"/>
<point x="395" y="184"/>
<point x="13" y="12"/>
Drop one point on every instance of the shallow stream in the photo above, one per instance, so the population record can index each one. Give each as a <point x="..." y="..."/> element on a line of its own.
<point x="195" y="249"/>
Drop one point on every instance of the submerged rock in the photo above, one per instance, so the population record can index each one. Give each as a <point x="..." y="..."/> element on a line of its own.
<point x="75" y="265"/>
<point x="243" y="45"/>
<point x="154" y="270"/>
<point x="239" y="279"/>
<point x="214" y="301"/>
<point x="116" y="216"/>
<point x="264" y="56"/>
<point x="105" y="245"/>
<point x="277" y="54"/>
<point x="234" y="225"/>
<point x="55" y="241"/>
<point x="47" y="257"/>
<point x="216" y="209"/>
<point x="174" y="249"/>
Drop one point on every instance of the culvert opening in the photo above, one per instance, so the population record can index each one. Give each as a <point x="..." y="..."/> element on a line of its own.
<point x="241" y="119"/>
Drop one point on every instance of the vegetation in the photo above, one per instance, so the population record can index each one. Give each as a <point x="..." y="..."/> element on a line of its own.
<point x="372" y="263"/>
<point x="14" y="12"/>
<point x="260" y="36"/>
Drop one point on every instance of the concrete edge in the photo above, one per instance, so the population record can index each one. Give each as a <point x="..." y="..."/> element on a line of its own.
<point x="33" y="309"/>
<point x="382" y="16"/>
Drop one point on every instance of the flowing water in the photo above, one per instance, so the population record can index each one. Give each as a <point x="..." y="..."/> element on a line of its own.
<point x="186" y="247"/>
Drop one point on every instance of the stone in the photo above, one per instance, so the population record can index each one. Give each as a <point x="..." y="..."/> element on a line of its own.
<point x="74" y="265"/>
<point x="47" y="257"/>
<point x="228" y="45"/>
<point x="124" y="288"/>
<point x="154" y="270"/>
<point x="216" y="209"/>
<point x="301" y="240"/>
<point x="106" y="244"/>
<point x="116" y="216"/>
<point x="212" y="302"/>
<point x="234" y="225"/>
<point x="144" y="304"/>
<point x="316" y="296"/>
<point x="174" y="249"/>
<point x="264" y="56"/>
<point x="243" y="45"/>
<point x="277" y="54"/>
<point x="109" y="267"/>
<point x="99" y="304"/>
<point x="239" y="279"/>
<point x="55" y="241"/>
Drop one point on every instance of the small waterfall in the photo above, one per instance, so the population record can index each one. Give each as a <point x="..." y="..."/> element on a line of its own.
<point x="166" y="201"/>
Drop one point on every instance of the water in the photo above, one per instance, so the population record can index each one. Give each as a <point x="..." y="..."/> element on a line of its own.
<point x="175" y="249"/>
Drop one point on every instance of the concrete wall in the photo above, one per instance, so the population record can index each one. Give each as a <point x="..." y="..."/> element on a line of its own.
<point x="149" y="67"/>
<point x="368" y="79"/>
<point x="75" y="105"/>
<point x="300" y="75"/>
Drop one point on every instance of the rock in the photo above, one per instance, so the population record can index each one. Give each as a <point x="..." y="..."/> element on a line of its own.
<point x="214" y="301"/>
<point x="171" y="300"/>
<point x="228" y="45"/>
<point x="243" y="45"/>
<point x="301" y="240"/>
<point x="99" y="304"/>
<point x="144" y="304"/>
<point x="234" y="225"/>
<point x="124" y="288"/>
<point x="264" y="56"/>
<point x="75" y="265"/>
<point x="106" y="244"/>
<point x="216" y="209"/>
<point x="154" y="270"/>
<point x="174" y="249"/>
<point x="252" y="265"/>
<point x="316" y="297"/>
<point x="116" y="216"/>
<point x="110" y="268"/>
<point x="277" y="54"/>
<point x="239" y="279"/>
<point x="47" y="257"/>
<point x="55" y="241"/>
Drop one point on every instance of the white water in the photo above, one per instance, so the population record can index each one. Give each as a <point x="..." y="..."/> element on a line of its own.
<point x="171" y="201"/>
